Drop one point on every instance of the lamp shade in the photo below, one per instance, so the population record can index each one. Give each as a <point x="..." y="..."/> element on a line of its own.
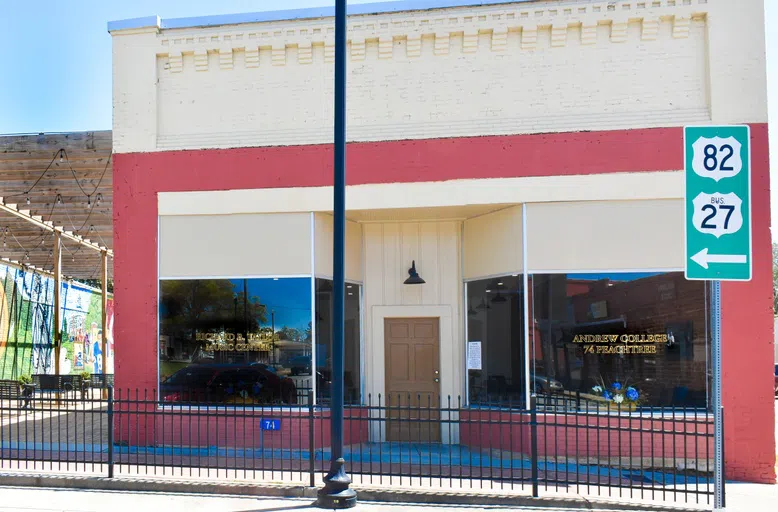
<point x="499" y="298"/>
<point x="413" y="276"/>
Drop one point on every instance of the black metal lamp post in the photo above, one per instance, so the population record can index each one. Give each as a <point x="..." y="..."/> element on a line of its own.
<point x="336" y="492"/>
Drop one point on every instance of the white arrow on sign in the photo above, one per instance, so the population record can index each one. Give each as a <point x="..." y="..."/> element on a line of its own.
<point x="702" y="258"/>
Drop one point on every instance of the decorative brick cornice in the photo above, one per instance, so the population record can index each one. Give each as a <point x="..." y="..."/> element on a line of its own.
<point x="278" y="55"/>
<point x="529" y="38"/>
<point x="681" y="26"/>
<point x="471" y="23"/>
<point x="559" y="35"/>
<point x="619" y="30"/>
<point x="175" y="62"/>
<point x="499" y="39"/>
<point x="385" y="45"/>
<point x="201" y="60"/>
<point x="589" y="32"/>
<point x="225" y="58"/>
<point x="470" y="41"/>
<point x="650" y="30"/>
<point x="442" y="41"/>
<point x="413" y="46"/>
<point x="251" y="58"/>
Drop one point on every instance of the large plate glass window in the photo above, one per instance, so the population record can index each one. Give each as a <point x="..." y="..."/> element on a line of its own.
<point x="236" y="341"/>
<point x="619" y="340"/>
<point x="495" y="341"/>
<point x="352" y="337"/>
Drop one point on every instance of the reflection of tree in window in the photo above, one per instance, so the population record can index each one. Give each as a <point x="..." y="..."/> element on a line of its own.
<point x="207" y="306"/>
<point x="236" y="327"/>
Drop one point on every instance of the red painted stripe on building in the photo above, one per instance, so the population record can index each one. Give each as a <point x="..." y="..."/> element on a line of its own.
<point x="556" y="154"/>
<point x="747" y="320"/>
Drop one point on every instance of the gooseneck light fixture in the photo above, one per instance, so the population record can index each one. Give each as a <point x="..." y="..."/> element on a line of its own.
<point x="413" y="276"/>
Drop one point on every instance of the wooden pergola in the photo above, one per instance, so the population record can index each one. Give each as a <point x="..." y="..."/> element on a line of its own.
<point x="56" y="210"/>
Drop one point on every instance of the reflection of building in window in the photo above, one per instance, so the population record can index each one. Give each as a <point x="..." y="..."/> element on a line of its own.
<point x="253" y="327"/>
<point x="631" y="309"/>
<point x="352" y="340"/>
<point x="495" y="318"/>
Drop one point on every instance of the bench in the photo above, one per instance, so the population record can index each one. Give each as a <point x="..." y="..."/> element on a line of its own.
<point x="11" y="390"/>
<point x="101" y="380"/>
<point x="56" y="383"/>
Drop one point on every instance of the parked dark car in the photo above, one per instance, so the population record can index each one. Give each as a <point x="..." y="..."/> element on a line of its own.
<point x="228" y="383"/>
<point x="299" y="365"/>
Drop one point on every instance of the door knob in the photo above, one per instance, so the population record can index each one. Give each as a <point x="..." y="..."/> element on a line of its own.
<point x="437" y="379"/>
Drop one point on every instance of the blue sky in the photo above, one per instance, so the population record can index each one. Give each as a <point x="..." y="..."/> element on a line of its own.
<point x="290" y="298"/>
<point x="56" y="70"/>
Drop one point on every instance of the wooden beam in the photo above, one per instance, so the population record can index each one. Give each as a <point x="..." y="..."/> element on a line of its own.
<point x="25" y="214"/>
<point x="57" y="299"/>
<point x="104" y="299"/>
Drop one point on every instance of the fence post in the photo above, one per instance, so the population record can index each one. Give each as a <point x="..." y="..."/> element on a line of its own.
<point x="533" y="433"/>
<point x="311" y="445"/>
<point x="110" y="431"/>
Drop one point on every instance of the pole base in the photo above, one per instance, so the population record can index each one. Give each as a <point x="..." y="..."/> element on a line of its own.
<point x="344" y="499"/>
<point x="336" y="493"/>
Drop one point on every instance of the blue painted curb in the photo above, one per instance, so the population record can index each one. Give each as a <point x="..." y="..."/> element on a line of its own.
<point x="379" y="453"/>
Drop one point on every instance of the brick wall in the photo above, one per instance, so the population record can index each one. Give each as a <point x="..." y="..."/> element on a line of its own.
<point x="501" y="69"/>
<point x="142" y="425"/>
<point x="667" y="442"/>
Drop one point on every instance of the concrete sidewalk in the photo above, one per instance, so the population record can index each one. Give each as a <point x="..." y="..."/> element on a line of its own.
<point x="740" y="498"/>
<point x="71" y="500"/>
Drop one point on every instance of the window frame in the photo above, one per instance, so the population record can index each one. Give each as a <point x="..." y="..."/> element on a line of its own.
<point x="466" y="302"/>
<point x="257" y="408"/>
<point x="529" y="372"/>
<point x="652" y="412"/>
<point x="361" y="286"/>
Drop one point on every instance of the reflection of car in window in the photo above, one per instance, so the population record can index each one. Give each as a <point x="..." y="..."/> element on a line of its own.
<point x="224" y="383"/>
<point x="299" y="365"/>
<point x="545" y="384"/>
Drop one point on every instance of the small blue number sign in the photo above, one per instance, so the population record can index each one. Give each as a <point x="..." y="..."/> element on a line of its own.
<point x="270" y="424"/>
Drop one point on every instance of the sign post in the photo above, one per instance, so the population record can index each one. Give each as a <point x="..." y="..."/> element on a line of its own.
<point x="717" y="206"/>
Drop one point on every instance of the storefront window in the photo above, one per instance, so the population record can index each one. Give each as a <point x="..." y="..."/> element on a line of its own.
<point x="351" y="341"/>
<point x="495" y="331"/>
<point x="237" y="341"/>
<point x="627" y="340"/>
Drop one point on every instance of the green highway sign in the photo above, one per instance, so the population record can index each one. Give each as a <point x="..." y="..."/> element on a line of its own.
<point x="717" y="202"/>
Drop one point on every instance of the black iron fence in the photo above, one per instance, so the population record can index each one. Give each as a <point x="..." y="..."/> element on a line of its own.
<point x="596" y="449"/>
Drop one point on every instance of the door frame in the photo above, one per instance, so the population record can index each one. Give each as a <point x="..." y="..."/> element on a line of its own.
<point x="450" y="353"/>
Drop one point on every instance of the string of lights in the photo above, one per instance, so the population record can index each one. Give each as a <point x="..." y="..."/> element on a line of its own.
<point x="8" y="231"/>
<point x="27" y="192"/>
<point x="94" y="230"/>
<point x="65" y="159"/>
<point x="99" y="196"/>
<point x="30" y="244"/>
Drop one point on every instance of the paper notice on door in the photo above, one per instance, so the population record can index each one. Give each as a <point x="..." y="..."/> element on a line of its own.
<point x="473" y="355"/>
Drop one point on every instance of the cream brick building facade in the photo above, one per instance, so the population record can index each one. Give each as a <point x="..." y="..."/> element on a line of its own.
<point x="533" y="128"/>
<point x="487" y="70"/>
